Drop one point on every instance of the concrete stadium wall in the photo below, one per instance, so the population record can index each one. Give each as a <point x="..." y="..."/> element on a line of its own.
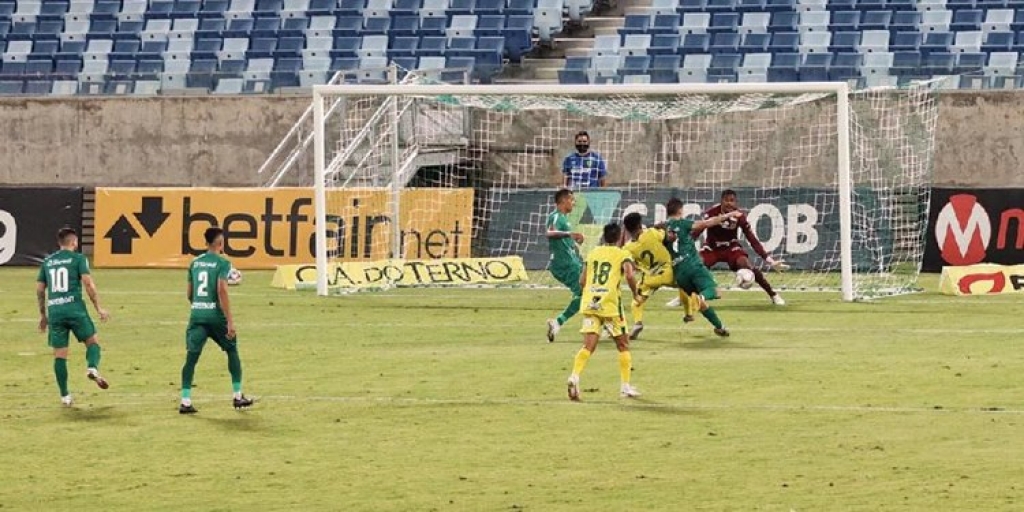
<point x="181" y="141"/>
<point x="221" y="141"/>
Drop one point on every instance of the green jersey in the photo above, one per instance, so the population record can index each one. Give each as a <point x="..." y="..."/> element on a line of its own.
<point x="683" y="249"/>
<point x="204" y="273"/>
<point x="62" y="273"/>
<point x="563" y="250"/>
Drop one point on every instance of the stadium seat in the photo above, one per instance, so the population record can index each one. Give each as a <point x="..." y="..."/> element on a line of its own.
<point x="785" y="42"/>
<point x="845" y="67"/>
<point x="785" y="67"/>
<point x="724" y="22"/>
<point x="998" y="42"/>
<point x="635" y="24"/>
<point x="664" y="68"/>
<point x="695" y="43"/>
<point x="664" y="44"/>
<point x="637" y="44"/>
<point x="814" y="21"/>
<point x="905" y="21"/>
<point x="998" y="20"/>
<point x="547" y="19"/>
<point x="967" y="20"/>
<point x="816" y="67"/>
<point x="754" y="43"/>
<point x="936" y="42"/>
<point x="667" y="24"/>
<point x="755" y="23"/>
<point x="845" y="21"/>
<point x="967" y="42"/>
<point x="694" y="68"/>
<point x="784" y="22"/>
<point x="906" y="63"/>
<point x="874" y="41"/>
<point x="755" y="67"/>
<point x="575" y="71"/>
<point x="906" y="41"/>
<point x="692" y="23"/>
<point x="936" y="21"/>
<point x="725" y="43"/>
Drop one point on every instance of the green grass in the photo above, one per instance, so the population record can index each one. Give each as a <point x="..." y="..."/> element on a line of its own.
<point x="451" y="400"/>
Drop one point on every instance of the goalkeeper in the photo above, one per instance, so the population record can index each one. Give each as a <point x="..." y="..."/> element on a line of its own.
<point x="722" y="244"/>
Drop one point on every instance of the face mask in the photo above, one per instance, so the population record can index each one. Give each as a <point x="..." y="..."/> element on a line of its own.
<point x="582" y="148"/>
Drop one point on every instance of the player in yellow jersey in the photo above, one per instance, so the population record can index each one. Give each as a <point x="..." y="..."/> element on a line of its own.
<point x="652" y="258"/>
<point x="603" y="272"/>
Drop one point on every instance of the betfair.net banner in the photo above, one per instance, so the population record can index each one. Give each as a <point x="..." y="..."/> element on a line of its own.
<point x="264" y="228"/>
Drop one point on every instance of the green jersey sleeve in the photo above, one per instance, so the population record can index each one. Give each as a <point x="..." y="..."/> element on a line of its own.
<point x="223" y="270"/>
<point x="83" y="265"/>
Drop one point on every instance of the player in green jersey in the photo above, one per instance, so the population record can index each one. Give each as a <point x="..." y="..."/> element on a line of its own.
<point x="690" y="273"/>
<point x="566" y="263"/>
<point x="62" y="311"/>
<point x="210" y="319"/>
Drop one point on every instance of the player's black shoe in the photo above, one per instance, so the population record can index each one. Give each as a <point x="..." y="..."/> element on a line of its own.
<point x="723" y="332"/>
<point x="243" y="402"/>
<point x="687" y="319"/>
<point x="187" y="409"/>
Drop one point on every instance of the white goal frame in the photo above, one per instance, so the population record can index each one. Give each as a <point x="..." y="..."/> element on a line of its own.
<point x="840" y="89"/>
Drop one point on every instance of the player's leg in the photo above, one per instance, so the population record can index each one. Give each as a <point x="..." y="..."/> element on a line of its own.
<point x="649" y="283"/>
<point x="57" y="338"/>
<point x="195" y="339"/>
<point x="230" y="348"/>
<point x="707" y="290"/>
<point x="85" y="332"/>
<point x="591" y="332"/>
<point x="626" y="390"/>
<point x="740" y="260"/>
<point x="569" y="276"/>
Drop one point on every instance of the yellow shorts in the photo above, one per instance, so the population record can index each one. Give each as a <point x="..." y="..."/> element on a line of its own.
<point x="651" y="282"/>
<point x="593" y="324"/>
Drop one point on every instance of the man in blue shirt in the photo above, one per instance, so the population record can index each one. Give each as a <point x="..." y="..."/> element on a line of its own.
<point x="584" y="168"/>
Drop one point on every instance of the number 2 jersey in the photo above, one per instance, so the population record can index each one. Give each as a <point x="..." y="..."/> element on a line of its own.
<point x="204" y="273"/>
<point x="604" y="277"/>
<point x="649" y="251"/>
<point x="62" y="273"/>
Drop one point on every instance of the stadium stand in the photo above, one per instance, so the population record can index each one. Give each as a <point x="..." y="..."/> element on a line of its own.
<point x="230" y="46"/>
<point x="864" y="42"/>
<point x="250" y="46"/>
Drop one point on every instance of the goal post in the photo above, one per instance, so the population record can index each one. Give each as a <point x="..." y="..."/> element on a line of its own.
<point x="400" y="146"/>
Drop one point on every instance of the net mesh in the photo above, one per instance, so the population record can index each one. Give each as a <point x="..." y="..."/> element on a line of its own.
<point x="475" y="175"/>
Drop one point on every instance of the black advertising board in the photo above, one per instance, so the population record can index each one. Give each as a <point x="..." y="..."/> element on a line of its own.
<point x="30" y="218"/>
<point x="969" y="226"/>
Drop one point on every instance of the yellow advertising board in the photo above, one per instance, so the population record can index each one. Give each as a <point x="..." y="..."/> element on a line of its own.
<point x="982" y="279"/>
<point x="406" y="273"/>
<point x="264" y="228"/>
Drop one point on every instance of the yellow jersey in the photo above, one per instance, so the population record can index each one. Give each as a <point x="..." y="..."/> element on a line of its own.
<point x="604" y="277"/>
<point x="649" y="251"/>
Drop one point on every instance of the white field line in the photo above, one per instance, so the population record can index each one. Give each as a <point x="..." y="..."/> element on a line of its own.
<point x="680" y="327"/>
<point x="144" y="399"/>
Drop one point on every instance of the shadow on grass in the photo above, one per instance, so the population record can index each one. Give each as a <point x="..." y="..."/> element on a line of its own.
<point x="643" y="405"/>
<point x="238" y="422"/>
<point x="718" y="344"/>
<point x="90" y="414"/>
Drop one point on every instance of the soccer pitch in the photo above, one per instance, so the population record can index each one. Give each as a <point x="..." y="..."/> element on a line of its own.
<point x="452" y="400"/>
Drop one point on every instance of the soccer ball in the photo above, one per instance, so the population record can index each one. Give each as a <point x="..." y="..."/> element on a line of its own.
<point x="744" y="278"/>
<point x="234" y="277"/>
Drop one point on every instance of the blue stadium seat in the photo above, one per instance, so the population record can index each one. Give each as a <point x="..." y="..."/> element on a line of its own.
<point x="665" y="24"/>
<point x="262" y="48"/>
<point x="725" y="43"/>
<point x="432" y="46"/>
<point x="517" y="35"/>
<point x="458" y="69"/>
<point x="461" y="46"/>
<point x="636" y="44"/>
<point x="45" y="48"/>
<point x="785" y="42"/>
<point x="320" y="7"/>
<point x="406" y="7"/>
<point x="38" y="87"/>
<point x="285" y="73"/>
<point x="242" y="27"/>
<point x="575" y="71"/>
<point x="348" y="25"/>
<point x="490" y="25"/>
<point x="845" y="21"/>
<point x="265" y="27"/>
<point x="967" y="63"/>
<point x="724" y="67"/>
<point x="664" y="69"/>
<point x="489" y="57"/>
<point x="403" y="46"/>
<point x="691" y="5"/>
<point x="695" y="43"/>
<point x="350" y="7"/>
<point x="11" y="87"/>
<point x="905" y="21"/>
<point x="635" y="24"/>
<point x="664" y="44"/>
<point x="998" y="42"/>
<point x="967" y="19"/>
<point x="755" y="43"/>
<point x="211" y="27"/>
<point x="489" y="7"/>
<point x="875" y="20"/>
<point x="289" y="47"/>
<point x="268" y="7"/>
<point x="405" y="64"/>
<point x="186" y="9"/>
<point x="344" y="64"/>
<point x="816" y="67"/>
<point x="845" y="42"/>
<point x="720" y="6"/>
<point x="213" y="8"/>
<point x="780" y="5"/>
<point x="906" y="41"/>
<point x="938" y="63"/>
<point x="634" y="65"/>
<point x="936" y="42"/>
<point x="750" y="5"/>
<point x="724" y="22"/>
<point x="784" y="21"/>
<point x="521" y="7"/>
<point x="463" y="25"/>
<point x="376" y="26"/>
<point x="67" y="67"/>
<point x="38" y="67"/>
<point x="160" y="9"/>
<point x="201" y="73"/>
<point x="433" y="25"/>
<point x="785" y="67"/>
<point x="906" y="63"/>
<point x="845" y="66"/>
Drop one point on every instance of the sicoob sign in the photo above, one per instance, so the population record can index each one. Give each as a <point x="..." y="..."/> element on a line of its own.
<point x="268" y="227"/>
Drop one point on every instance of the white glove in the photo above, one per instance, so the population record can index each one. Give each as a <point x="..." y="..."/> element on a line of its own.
<point x="779" y="266"/>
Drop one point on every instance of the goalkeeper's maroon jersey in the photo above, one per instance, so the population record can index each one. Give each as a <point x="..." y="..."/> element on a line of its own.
<point x="726" y="234"/>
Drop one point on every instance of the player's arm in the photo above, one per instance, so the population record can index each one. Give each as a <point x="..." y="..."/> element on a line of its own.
<point x="628" y="271"/>
<point x="190" y="293"/>
<point x="41" y="299"/>
<point x="555" y="233"/>
<point x="602" y="172"/>
<point x="225" y="305"/>
<point x="94" y="296"/>
<point x="567" y="172"/>
<point x="709" y="222"/>
<point x="755" y="244"/>
<point x="583" y="277"/>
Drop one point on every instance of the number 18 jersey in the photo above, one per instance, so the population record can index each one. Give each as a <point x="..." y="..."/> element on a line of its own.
<point x="203" y="273"/>
<point x="604" y="277"/>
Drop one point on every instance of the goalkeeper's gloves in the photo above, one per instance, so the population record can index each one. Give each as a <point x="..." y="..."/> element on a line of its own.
<point x="779" y="265"/>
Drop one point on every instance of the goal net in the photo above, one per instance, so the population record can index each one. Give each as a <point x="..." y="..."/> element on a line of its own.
<point x="835" y="183"/>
